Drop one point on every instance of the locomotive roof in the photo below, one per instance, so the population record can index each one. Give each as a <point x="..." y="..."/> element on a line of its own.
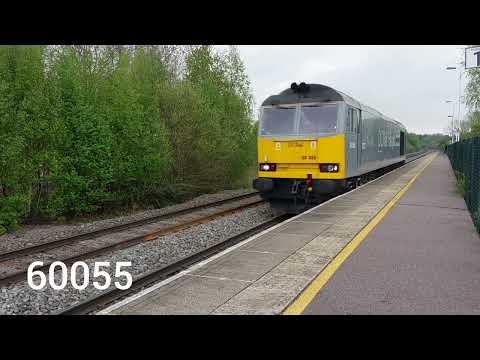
<point x="321" y="93"/>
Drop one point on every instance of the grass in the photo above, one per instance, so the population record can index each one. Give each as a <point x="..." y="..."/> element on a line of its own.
<point x="460" y="183"/>
<point x="170" y="195"/>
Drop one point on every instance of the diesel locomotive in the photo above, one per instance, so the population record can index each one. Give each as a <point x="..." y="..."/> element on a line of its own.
<point x="315" y="142"/>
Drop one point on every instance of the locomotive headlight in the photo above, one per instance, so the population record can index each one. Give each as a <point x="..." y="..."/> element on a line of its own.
<point x="329" y="167"/>
<point x="267" y="167"/>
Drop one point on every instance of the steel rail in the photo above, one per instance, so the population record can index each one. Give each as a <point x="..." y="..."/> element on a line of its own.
<point x="18" y="276"/>
<point x="21" y="275"/>
<point x="112" y="229"/>
<point x="153" y="276"/>
<point x="108" y="230"/>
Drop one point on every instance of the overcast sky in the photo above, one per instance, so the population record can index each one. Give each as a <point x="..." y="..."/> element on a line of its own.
<point x="407" y="83"/>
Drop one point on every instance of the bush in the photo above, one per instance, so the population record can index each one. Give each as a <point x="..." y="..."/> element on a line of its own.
<point x="460" y="184"/>
<point x="12" y="210"/>
<point x="87" y="129"/>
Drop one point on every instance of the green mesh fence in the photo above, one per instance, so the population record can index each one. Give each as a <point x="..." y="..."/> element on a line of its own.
<point x="465" y="159"/>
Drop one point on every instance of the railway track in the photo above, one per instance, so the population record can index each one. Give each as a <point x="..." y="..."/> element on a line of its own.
<point x="134" y="224"/>
<point x="416" y="155"/>
<point x="112" y="295"/>
<point x="18" y="260"/>
<point x="201" y="214"/>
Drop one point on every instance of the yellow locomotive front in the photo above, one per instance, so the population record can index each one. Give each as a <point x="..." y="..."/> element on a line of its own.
<point x="301" y="152"/>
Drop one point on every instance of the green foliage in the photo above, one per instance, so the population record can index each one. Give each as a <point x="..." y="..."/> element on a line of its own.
<point x="460" y="183"/>
<point x="470" y="127"/>
<point x="474" y="120"/>
<point x="473" y="89"/>
<point x="85" y="129"/>
<point x="417" y="142"/>
<point x="13" y="208"/>
<point x="225" y="115"/>
<point x="413" y="143"/>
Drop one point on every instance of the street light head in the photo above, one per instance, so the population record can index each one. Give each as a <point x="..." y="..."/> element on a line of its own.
<point x="450" y="116"/>
<point x="451" y="68"/>
<point x="448" y="101"/>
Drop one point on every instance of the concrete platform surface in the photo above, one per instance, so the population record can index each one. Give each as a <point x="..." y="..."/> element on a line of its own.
<point x="422" y="258"/>
<point x="265" y="273"/>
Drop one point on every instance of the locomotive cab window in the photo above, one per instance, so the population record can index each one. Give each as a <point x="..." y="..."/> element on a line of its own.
<point x="298" y="120"/>
<point x="317" y="119"/>
<point x="352" y="120"/>
<point x="349" y="125"/>
<point x="278" y="120"/>
<point x="355" y="120"/>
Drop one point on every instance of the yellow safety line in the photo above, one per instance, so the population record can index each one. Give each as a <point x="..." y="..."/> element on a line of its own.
<point x="301" y="302"/>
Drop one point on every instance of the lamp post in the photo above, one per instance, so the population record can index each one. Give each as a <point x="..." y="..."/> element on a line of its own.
<point x="459" y="91"/>
<point x="453" y="134"/>
<point x="453" y="112"/>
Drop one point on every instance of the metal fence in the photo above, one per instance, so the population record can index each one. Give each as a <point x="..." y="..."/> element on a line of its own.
<point x="465" y="159"/>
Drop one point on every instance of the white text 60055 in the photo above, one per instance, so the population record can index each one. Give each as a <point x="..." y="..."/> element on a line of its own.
<point x="77" y="267"/>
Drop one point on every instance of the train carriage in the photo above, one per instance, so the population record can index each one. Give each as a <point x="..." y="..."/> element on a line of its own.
<point x="315" y="142"/>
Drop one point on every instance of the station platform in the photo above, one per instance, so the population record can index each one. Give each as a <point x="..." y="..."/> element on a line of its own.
<point x="403" y="243"/>
<point x="422" y="258"/>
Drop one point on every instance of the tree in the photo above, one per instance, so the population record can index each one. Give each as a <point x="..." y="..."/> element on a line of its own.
<point x="471" y="125"/>
<point x="416" y="142"/>
<point x="473" y="89"/>
<point x="85" y="128"/>
<point x="28" y="132"/>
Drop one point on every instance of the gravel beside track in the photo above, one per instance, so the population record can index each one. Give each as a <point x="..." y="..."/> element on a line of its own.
<point x="29" y="235"/>
<point x="20" y="299"/>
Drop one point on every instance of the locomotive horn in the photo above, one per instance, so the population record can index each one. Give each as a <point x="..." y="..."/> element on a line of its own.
<point x="303" y="88"/>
